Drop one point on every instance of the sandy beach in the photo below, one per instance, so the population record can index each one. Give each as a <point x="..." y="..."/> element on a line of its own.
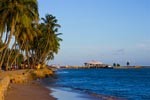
<point x="28" y="91"/>
<point x="36" y="91"/>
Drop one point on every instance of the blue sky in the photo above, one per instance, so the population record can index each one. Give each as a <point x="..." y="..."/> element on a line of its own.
<point x="105" y="30"/>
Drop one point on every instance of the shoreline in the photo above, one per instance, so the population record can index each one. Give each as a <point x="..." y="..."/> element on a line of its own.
<point x="70" y="94"/>
<point x="63" y="93"/>
<point x="38" y="91"/>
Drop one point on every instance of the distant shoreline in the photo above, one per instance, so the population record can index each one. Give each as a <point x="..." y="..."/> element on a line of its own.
<point x="113" y="67"/>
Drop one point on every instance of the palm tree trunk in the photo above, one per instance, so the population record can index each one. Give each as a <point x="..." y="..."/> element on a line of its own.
<point x="44" y="53"/>
<point x="8" y="61"/>
<point x="16" y="55"/>
<point x="9" y="39"/>
<point x="27" y="55"/>
<point x="3" y="57"/>
<point x="7" y="44"/>
<point x="10" y="36"/>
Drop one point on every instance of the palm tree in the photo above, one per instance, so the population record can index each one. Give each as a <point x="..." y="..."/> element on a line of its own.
<point x="48" y="41"/>
<point x="114" y="64"/>
<point x="50" y="30"/>
<point x="25" y="36"/>
<point x="13" y="14"/>
<point x="128" y="63"/>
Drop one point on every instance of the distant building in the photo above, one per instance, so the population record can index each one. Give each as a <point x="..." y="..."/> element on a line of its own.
<point x="96" y="64"/>
<point x="93" y="64"/>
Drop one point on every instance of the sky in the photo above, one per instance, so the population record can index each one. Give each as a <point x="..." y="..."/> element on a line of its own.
<point x="109" y="31"/>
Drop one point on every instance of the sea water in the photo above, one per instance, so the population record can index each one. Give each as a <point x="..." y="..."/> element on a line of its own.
<point x="129" y="84"/>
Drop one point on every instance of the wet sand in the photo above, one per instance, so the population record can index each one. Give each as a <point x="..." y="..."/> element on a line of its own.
<point x="28" y="91"/>
<point x="69" y="94"/>
<point x="63" y="94"/>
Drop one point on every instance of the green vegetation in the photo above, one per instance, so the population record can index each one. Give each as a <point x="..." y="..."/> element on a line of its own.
<point x="116" y="64"/>
<point x="23" y="40"/>
<point x="128" y="63"/>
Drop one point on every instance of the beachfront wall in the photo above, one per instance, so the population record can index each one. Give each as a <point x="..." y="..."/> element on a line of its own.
<point x="4" y="86"/>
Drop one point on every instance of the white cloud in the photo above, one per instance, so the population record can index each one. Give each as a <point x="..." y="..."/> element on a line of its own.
<point x="144" y="45"/>
<point x="119" y="52"/>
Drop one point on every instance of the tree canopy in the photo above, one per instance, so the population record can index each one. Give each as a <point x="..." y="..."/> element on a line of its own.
<point x="22" y="37"/>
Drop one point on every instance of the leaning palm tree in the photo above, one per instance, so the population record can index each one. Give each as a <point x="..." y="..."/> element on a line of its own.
<point x="14" y="13"/>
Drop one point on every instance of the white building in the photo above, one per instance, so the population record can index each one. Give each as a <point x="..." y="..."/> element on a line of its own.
<point x="95" y="64"/>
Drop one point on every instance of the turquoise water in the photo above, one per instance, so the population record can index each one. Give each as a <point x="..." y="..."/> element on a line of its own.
<point x="130" y="84"/>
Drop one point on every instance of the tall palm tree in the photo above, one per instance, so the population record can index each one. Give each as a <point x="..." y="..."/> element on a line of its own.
<point x="16" y="13"/>
<point x="48" y="42"/>
<point x="51" y="35"/>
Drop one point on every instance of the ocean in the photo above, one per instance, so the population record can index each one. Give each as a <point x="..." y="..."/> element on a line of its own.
<point x="126" y="84"/>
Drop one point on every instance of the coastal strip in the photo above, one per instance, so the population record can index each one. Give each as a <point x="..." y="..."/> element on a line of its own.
<point x="19" y="84"/>
<point x="28" y="91"/>
<point x="4" y="83"/>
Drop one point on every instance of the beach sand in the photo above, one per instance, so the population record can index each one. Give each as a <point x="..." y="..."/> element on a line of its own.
<point x="28" y="91"/>
<point x="35" y="91"/>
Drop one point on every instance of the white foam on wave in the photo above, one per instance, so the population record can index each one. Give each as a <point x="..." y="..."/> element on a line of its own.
<point x="63" y="94"/>
<point x="62" y="72"/>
